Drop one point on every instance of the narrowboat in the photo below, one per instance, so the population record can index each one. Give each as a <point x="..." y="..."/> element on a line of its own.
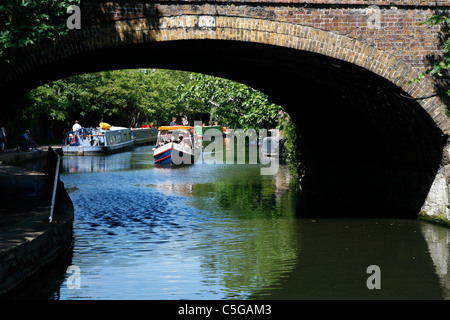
<point x="176" y="145"/>
<point x="203" y="130"/>
<point x="143" y="136"/>
<point x="101" y="140"/>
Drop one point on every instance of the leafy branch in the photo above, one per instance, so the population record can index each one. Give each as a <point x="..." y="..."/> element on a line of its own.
<point x="440" y="68"/>
<point x="230" y="103"/>
<point x="25" y="22"/>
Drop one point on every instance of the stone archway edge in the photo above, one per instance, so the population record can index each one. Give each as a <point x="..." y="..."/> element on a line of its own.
<point x="212" y="27"/>
<point x="293" y="36"/>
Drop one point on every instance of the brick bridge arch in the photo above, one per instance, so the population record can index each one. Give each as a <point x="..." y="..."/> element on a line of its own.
<point x="211" y="27"/>
<point x="364" y="142"/>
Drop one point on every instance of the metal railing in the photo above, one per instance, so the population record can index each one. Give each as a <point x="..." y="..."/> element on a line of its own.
<point x="53" y="165"/>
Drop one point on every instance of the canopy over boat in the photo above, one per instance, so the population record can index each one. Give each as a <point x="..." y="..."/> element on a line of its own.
<point x="174" y="128"/>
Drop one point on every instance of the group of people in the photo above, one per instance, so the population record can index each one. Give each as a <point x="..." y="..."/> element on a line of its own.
<point x="167" y="138"/>
<point x="27" y="141"/>
<point x="184" y="120"/>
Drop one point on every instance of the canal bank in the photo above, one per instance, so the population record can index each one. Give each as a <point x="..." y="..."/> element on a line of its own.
<point x="28" y="242"/>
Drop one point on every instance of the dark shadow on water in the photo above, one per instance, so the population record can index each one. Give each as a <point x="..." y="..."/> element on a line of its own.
<point x="336" y="253"/>
<point x="316" y="205"/>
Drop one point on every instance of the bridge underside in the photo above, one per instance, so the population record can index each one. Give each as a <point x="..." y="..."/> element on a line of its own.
<point x="367" y="150"/>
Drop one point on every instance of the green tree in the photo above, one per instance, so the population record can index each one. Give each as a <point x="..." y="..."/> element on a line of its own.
<point x="229" y="103"/>
<point x="292" y="147"/>
<point x="24" y="22"/>
<point x="163" y="101"/>
<point x="121" y="97"/>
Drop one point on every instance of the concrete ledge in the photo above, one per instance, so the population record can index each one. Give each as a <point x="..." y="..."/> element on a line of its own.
<point x="28" y="242"/>
<point x="437" y="219"/>
<point x="21" y="262"/>
<point x="12" y="157"/>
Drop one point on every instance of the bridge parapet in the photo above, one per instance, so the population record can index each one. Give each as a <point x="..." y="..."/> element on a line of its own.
<point x="416" y="3"/>
<point x="395" y="26"/>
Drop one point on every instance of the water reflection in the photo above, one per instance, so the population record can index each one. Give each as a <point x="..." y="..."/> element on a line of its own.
<point x="139" y="158"/>
<point x="74" y="164"/>
<point x="258" y="236"/>
<point x="438" y="242"/>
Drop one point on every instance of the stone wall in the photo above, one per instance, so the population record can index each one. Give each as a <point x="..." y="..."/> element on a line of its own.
<point x="437" y="204"/>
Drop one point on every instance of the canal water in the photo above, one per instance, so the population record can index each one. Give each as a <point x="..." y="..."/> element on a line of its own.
<point x="224" y="231"/>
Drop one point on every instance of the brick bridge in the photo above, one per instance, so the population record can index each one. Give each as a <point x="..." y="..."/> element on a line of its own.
<point x="341" y="68"/>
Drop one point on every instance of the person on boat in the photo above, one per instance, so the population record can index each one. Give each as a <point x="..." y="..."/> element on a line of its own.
<point x="75" y="140"/>
<point x="185" y="121"/>
<point x="76" y="126"/>
<point x="174" y="121"/>
<point x="182" y="142"/>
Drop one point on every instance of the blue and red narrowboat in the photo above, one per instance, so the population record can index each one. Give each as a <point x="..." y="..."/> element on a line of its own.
<point x="176" y="145"/>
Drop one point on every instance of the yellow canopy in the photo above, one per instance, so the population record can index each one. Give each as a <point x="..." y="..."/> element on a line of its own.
<point x="174" y="128"/>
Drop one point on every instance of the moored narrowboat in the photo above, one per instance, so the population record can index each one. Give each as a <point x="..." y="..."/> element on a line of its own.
<point x="91" y="141"/>
<point x="143" y="136"/>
